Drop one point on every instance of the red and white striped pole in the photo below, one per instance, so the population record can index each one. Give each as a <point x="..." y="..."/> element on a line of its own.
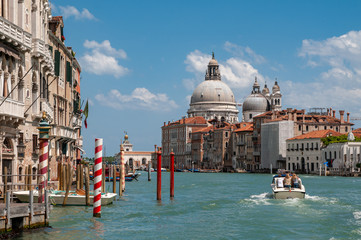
<point x="44" y="128"/>
<point x="43" y="165"/>
<point x="98" y="177"/>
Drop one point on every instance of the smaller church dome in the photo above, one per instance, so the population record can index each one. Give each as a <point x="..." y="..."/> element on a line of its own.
<point x="256" y="102"/>
<point x="275" y="87"/>
<point x="265" y="90"/>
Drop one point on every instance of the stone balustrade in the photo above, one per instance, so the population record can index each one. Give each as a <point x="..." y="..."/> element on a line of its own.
<point x="15" y="35"/>
<point x="12" y="108"/>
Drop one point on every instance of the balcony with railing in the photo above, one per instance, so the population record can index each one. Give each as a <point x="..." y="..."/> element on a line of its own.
<point x="63" y="132"/>
<point x="15" y="35"/>
<point x="39" y="47"/>
<point x="12" y="108"/>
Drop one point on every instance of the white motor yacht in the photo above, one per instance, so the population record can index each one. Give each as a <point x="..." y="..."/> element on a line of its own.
<point x="281" y="192"/>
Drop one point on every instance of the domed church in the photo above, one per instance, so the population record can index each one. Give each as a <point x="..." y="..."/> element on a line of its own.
<point x="259" y="102"/>
<point x="213" y="99"/>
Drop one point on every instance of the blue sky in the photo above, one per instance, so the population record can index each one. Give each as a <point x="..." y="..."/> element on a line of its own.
<point x="141" y="60"/>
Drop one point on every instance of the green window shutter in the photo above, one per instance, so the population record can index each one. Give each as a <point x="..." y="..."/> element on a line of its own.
<point x="68" y="72"/>
<point x="57" y="62"/>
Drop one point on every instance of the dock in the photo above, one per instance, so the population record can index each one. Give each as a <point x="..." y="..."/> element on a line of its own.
<point x="18" y="216"/>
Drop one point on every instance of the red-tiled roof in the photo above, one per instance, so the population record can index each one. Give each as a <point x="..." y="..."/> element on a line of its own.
<point x="300" y="117"/>
<point x="191" y="120"/>
<point x="317" y="134"/>
<point x="245" y="127"/>
<point x="204" y="130"/>
<point x="357" y="132"/>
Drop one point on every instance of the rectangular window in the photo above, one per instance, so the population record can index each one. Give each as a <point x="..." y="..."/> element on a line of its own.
<point x="35" y="142"/>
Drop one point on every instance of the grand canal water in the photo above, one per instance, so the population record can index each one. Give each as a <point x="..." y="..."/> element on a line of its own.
<point x="216" y="206"/>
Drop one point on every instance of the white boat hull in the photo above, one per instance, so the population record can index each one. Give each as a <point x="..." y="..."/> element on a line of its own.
<point x="73" y="199"/>
<point x="285" y="193"/>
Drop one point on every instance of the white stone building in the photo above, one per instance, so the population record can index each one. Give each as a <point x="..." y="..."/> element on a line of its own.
<point x="134" y="159"/>
<point x="273" y="143"/>
<point x="304" y="152"/>
<point x="342" y="157"/>
<point x="27" y="81"/>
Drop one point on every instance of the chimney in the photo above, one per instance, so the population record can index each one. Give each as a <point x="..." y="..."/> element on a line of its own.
<point x="334" y="113"/>
<point x="164" y="124"/>
<point x="330" y="111"/>
<point x="289" y="113"/>
<point x="273" y="115"/>
<point x="348" y="117"/>
<point x="342" y="112"/>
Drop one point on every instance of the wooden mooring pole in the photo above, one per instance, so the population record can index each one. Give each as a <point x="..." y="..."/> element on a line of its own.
<point x="87" y="180"/>
<point x="149" y="170"/>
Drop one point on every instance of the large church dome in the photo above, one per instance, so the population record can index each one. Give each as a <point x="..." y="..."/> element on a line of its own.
<point x="212" y="91"/>
<point x="213" y="99"/>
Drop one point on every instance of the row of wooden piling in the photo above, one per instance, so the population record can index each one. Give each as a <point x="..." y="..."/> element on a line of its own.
<point x="82" y="179"/>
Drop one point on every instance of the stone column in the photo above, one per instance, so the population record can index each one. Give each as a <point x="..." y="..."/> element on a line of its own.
<point x="21" y="13"/>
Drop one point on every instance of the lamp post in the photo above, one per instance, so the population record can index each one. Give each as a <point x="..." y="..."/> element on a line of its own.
<point x="43" y="128"/>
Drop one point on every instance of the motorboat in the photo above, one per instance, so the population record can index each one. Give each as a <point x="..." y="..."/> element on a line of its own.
<point x="281" y="192"/>
<point x="74" y="198"/>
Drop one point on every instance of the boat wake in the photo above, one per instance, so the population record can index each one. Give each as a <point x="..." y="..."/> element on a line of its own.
<point x="321" y="199"/>
<point x="260" y="199"/>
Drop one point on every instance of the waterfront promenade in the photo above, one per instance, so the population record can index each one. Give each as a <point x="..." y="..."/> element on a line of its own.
<point x="216" y="206"/>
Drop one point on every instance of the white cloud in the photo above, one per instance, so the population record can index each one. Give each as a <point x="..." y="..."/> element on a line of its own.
<point x="338" y="85"/>
<point x="106" y="48"/>
<point x="103" y="59"/>
<point x="71" y="11"/>
<point x="341" y="54"/>
<point x="236" y="72"/>
<point x="140" y="98"/>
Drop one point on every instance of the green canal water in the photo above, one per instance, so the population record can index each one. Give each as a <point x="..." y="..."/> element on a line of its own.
<point x="216" y="206"/>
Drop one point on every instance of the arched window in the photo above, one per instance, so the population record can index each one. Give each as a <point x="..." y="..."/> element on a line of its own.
<point x="144" y="161"/>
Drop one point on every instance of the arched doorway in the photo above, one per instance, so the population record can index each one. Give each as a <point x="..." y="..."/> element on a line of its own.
<point x="7" y="158"/>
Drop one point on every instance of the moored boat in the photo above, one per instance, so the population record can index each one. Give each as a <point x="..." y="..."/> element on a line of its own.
<point x="281" y="192"/>
<point x="74" y="199"/>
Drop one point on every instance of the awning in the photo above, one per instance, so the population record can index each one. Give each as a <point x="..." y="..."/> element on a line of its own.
<point x="81" y="150"/>
<point x="9" y="51"/>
